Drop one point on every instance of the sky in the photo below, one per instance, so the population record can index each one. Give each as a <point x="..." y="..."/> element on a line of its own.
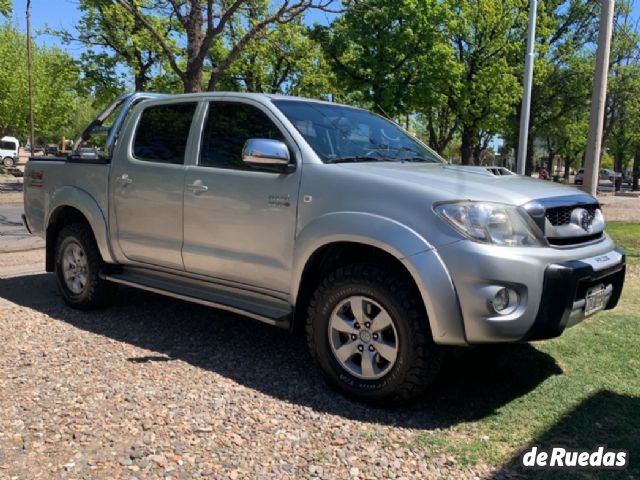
<point x="63" y="14"/>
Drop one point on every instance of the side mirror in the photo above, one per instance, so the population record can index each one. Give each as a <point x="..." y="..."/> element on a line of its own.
<point x="265" y="154"/>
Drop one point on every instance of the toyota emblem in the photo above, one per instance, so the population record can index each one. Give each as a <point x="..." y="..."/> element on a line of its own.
<point x="583" y="218"/>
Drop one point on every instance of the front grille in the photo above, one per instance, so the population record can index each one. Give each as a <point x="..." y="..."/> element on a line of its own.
<point x="561" y="242"/>
<point x="562" y="215"/>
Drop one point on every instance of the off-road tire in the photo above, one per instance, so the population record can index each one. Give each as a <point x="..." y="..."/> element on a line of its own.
<point x="97" y="293"/>
<point x="419" y="359"/>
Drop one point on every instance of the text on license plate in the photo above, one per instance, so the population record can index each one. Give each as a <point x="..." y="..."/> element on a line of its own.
<point x="594" y="300"/>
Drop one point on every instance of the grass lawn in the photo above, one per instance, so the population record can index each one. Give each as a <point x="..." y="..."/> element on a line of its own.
<point x="576" y="391"/>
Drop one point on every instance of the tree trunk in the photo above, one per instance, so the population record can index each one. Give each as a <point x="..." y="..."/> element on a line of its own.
<point x="193" y="81"/>
<point x="567" y="169"/>
<point x="617" y="162"/>
<point x="195" y="56"/>
<point x="140" y="80"/>
<point x="466" y="147"/>
<point x="636" y="169"/>
<point x="477" y="152"/>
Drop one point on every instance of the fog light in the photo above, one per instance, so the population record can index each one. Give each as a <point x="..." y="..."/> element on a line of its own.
<point x="505" y="301"/>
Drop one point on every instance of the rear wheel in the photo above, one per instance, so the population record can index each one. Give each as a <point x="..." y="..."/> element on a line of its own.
<point x="8" y="162"/>
<point x="369" y="334"/>
<point x="78" y="267"/>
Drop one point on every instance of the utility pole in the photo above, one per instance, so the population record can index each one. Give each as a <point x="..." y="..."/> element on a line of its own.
<point x="30" y="77"/>
<point x="526" y="97"/>
<point x="598" y="99"/>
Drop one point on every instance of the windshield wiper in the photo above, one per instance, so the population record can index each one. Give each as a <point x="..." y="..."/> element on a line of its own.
<point x="356" y="159"/>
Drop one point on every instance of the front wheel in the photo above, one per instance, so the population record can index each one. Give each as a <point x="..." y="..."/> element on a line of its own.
<point x="8" y="162"/>
<point x="368" y="332"/>
<point x="78" y="268"/>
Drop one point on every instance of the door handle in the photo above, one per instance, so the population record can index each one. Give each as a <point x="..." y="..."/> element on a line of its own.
<point x="124" y="179"/>
<point x="197" y="187"/>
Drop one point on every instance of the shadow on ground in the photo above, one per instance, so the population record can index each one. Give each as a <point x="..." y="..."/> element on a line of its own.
<point x="272" y="361"/>
<point x="604" y="418"/>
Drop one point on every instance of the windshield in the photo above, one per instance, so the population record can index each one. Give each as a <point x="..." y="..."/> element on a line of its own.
<point x="344" y="134"/>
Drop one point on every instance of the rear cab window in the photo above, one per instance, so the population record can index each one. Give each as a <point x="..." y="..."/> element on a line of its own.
<point x="162" y="133"/>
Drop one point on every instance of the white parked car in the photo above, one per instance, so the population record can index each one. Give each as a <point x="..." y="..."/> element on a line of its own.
<point x="9" y="151"/>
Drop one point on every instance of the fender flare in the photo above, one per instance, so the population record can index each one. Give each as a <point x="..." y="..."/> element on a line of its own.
<point x="357" y="227"/>
<point x="79" y="199"/>
<point x="417" y="255"/>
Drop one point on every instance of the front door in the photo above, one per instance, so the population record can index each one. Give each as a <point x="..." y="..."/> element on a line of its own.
<point x="147" y="186"/>
<point x="239" y="223"/>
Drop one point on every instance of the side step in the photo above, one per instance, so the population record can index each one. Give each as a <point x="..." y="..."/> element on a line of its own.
<point x="254" y="305"/>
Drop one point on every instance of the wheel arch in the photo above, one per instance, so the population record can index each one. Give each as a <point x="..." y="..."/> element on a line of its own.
<point x="338" y="239"/>
<point x="383" y="239"/>
<point x="73" y="205"/>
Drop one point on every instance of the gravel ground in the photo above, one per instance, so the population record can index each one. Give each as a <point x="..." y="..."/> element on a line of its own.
<point x="158" y="388"/>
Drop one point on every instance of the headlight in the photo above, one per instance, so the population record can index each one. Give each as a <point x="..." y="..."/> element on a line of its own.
<point x="494" y="223"/>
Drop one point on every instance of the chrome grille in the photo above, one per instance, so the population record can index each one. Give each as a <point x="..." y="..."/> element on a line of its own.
<point x="562" y="215"/>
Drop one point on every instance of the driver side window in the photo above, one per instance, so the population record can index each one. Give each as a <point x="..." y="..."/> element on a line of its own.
<point x="228" y="126"/>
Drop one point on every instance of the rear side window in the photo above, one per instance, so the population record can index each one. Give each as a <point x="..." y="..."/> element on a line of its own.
<point x="4" y="145"/>
<point x="229" y="125"/>
<point x="162" y="133"/>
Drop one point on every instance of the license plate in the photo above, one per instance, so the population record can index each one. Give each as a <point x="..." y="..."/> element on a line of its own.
<point x="594" y="301"/>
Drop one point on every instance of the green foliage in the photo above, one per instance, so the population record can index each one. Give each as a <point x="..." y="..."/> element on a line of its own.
<point x="5" y="8"/>
<point x="451" y="68"/>
<point x="447" y="61"/>
<point x="55" y="89"/>
<point x="113" y="38"/>
<point x="283" y="60"/>
<point x="622" y="123"/>
<point x="484" y="34"/>
<point x="389" y="55"/>
<point x="563" y="71"/>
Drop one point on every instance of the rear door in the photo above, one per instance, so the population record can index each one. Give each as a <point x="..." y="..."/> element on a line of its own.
<point x="147" y="182"/>
<point x="239" y="223"/>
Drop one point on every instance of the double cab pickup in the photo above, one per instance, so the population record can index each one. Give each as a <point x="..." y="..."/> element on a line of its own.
<point x="323" y="218"/>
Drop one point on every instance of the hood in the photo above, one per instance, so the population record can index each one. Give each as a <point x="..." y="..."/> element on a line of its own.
<point x="453" y="182"/>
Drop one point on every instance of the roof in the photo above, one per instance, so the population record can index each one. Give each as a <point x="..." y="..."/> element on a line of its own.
<point x="257" y="96"/>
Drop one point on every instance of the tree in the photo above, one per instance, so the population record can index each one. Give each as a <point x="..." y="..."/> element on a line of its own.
<point x="447" y="61"/>
<point x="113" y="37"/>
<point x="5" y="8"/>
<point x="57" y="88"/>
<point x="563" y="74"/>
<point x="205" y="22"/>
<point x="484" y="35"/>
<point x="388" y="54"/>
<point x="621" y="128"/>
<point x="440" y="122"/>
<point x="568" y="139"/>
<point x="284" y="60"/>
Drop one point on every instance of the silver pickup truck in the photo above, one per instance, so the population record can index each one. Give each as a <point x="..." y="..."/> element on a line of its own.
<point x="320" y="217"/>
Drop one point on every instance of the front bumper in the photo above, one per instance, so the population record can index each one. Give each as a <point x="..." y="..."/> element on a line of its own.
<point x="550" y="283"/>
<point x="563" y="294"/>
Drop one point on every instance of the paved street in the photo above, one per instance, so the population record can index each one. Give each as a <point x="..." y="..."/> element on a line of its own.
<point x="13" y="235"/>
